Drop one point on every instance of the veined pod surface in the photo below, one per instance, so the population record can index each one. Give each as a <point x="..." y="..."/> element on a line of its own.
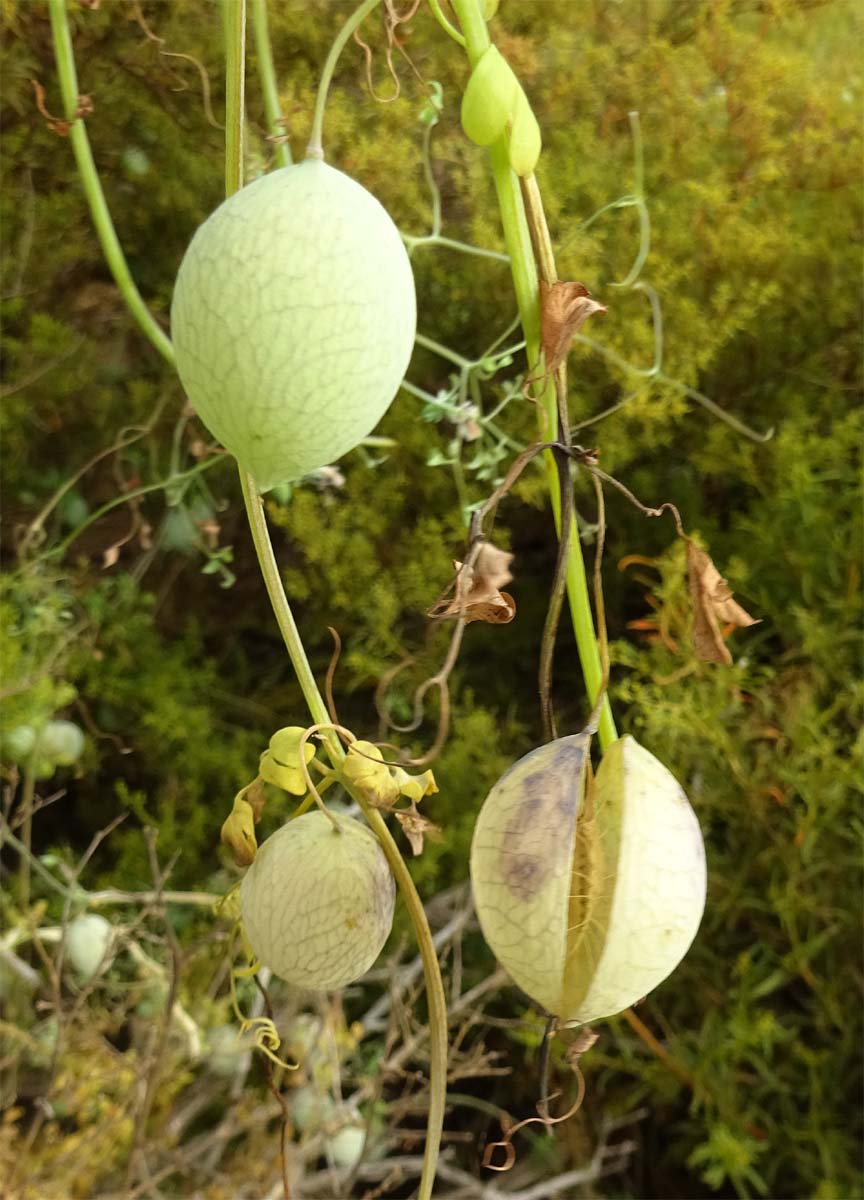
<point x="293" y="320"/>
<point x="317" y="904"/>
<point x="589" y="891"/>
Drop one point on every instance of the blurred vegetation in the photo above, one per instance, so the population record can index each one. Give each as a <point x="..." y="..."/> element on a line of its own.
<point x="149" y="627"/>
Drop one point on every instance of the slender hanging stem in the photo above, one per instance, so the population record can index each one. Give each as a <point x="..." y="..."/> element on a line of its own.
<point x="267" y="78"/>
<point x="92" y="186"/>
<point x="234" y="13"/>
<point x="315" y="148"/>
<point x="282" y="611"/>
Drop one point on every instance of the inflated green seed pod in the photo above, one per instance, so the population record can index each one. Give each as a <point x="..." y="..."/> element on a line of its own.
<point x="317" y="904"/>
<point x="588" y="891"/>
<point x="293" y="320"/>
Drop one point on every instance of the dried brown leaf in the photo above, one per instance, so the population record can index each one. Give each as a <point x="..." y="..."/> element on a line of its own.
<point x="492" y="566"/>
<point x="712" y="603"/>
<point x="477" y="589"/>
<point x="415" y="827"/>
<point x="565" y="307"/>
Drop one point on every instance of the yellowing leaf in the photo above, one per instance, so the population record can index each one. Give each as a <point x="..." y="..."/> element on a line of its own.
<point x="285" y="746"/>
<point x="415" y="787"/>
<point x="364" y="766"/>
<point x="290" y="779"/>
<point x="280" y="765"/>
<point x="238" y="833"/>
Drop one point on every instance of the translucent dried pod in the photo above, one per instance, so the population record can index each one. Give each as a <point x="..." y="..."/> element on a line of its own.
<point x="317" y="902"/>
<point x="589" y="890"/>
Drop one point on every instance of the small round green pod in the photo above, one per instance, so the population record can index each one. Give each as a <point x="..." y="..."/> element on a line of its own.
<point x="317" y="902"/>
<point x="589" y="891"/>
<point x="61" y="743"/>
<point x="293" y="320"/>
<point x="89" y="945"/>
<point x="17" y="745"/>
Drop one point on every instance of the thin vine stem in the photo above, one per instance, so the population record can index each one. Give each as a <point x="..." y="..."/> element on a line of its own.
<point x="234" y="13"/>
<point x="267" y="79"/>
<point x="92" y="186"/>
<point x="447" y="26"/>
<point x="315" y="149"/>
<point x="517" y="237"/>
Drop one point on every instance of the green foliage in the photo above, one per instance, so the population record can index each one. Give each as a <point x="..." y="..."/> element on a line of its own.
<point x="749" y="117"/>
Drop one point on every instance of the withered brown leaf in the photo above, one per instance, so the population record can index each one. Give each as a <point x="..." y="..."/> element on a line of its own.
<point x="493" y="566"/>
<point x="415" y="827"/>
<point x="565" y="307"/>
<point x="477" y="589"/>
<point x="712" y="603"/>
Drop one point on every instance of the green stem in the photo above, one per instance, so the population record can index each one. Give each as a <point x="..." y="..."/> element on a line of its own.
<point x="234" y="14"/>
<point x="234" y="29"/>
<point x="315" y="148"/>
<point x="269" y="87"/>
<point x="93" y="188"/>
<point x="448" y="28"/>
<point x="523" y="267"/>
<point x="414" y="243"/>
<point x="443" y="352"/>
<point x="282" y="611"/>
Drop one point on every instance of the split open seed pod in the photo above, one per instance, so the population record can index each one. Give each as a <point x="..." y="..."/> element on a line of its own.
<point x="588" y="889"/>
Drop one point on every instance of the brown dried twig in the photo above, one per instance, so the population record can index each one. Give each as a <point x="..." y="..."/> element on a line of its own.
<point x="138" y="17"/>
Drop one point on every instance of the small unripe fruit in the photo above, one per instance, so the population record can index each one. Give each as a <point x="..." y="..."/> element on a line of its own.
<point x="60" y="742"/>
<point x="589" y="891"/>
<point x="293" y="320"/>
<point x="225" y="1050"/>
<point x="317" y="903"/>
<point x="88" y="944"/>
<point x="345" y="1148"/>
<point x="17" y="745"/>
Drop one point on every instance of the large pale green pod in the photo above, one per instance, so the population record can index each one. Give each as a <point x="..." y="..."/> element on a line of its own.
<point x="293" y="320"/>
<point x="317" y="904"/>
<point x="588" y="891"/>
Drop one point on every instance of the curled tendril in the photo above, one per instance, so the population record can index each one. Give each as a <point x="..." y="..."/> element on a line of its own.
<point x="265" y="1036"/>
<point x="392" y="21"/>
<point x="348" y="737"/>
<point x="506" y="1143"/>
